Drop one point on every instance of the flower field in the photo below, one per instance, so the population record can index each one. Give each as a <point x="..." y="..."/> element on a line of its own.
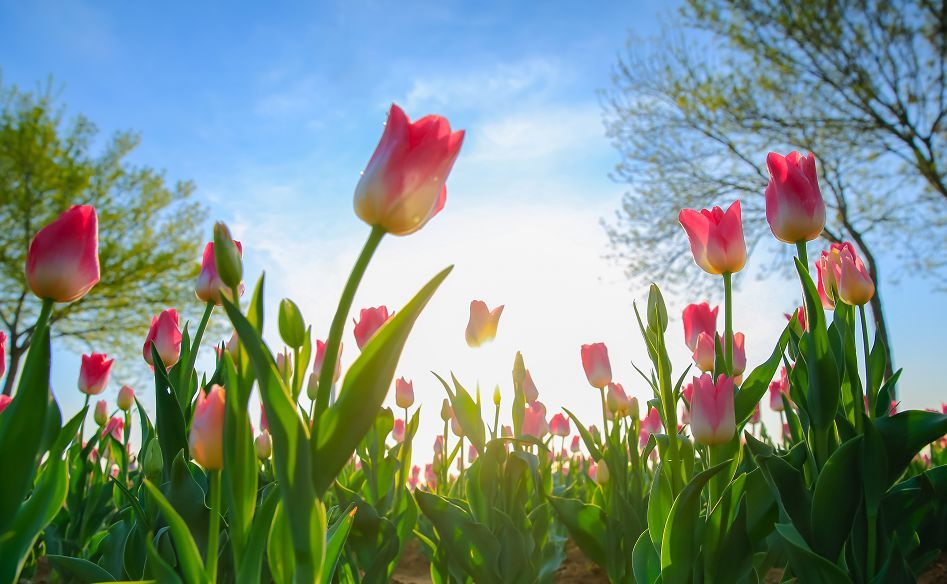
<point x="327" y="485"/>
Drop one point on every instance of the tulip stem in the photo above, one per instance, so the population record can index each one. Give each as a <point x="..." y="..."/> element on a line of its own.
<point x="604" y="417"/>
<point x="85" y="406"/>
<point x="195" y="345"/>
<point x="338" y="321"/>
<point x="213" y="537"/>
<point x="728" y="318"/>
<point x="496" y="422"/>
<point x="872" y="397"/>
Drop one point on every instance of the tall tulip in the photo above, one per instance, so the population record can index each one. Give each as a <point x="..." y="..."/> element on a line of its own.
<point x="404" y="393"/>
<point x="403" y="186"/>
<point x="165" y="334"/>
<point x="598" y="369"/>
<point x="94" y="373"/>
<point x="716" y="238"/>
<point x="206" y="440"/>
<point x="483" y="323"/>
<point x="62" y="263"/>
<point x="712" y="411"/>
<point x="795" y="209"/>
<point x="559" y="425"/>
<point x="369" y="321"/>
<point x="699" y="318"/>
<point x="209" y="286"/>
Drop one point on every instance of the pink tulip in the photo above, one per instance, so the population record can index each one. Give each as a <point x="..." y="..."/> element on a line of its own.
<point x="716" y="238"/>
<point x="482" y="326"/>
<point x="369" y="321"/>
<point x="3" y="353"/>
<point x="472" y="453"/>
<point x="126" y="398"/>
<point x="413" y="479"/>
<point x="115" y="428"/>
<point x="699" y="318"/>
<point x="430" y="477"/>
<point x="559" y="425"/>
<point x="94" y="373"/>
<point x="506" y="431"/>
<point x="62" y="263"/>
<point x="101" y="412"/>
<point x="455" y="426"/>
<point x="4" y="402"/>
<point x="534" y="420"/>
<point x="739" y="354"/>
<point x="404" y="393"/>
<point x="264" y="423"/>
<point x="855" y="286"/>
<point x="209" y="286"/>
<point x="828" y="302"/>
<point x="795" y="210"/>
<point x="317" y="366"/>
<point x="712" y="414"/>
<point x="652" y="422"/>
<point x="618" y="402"/>
<point x="800" y="314"/>
<point x="207" y="429"/>
<point x="397" y="431"/>
<point x="574" y="446"/>
<point x="284" y="364"/>
<point x="165" y="334"/>
<point x="263" y="444"/>
<point x="688" y="392"/>
<point x="755" y="416"/>
<point x="776" y="396"/>
<point x="706" y="352"/>
<point x="403" y="186"/>
<point x="598" y="369"/>
<point x="439" y="445"/>
<point x="598" y="472"/>
<point x="530" y="392"/>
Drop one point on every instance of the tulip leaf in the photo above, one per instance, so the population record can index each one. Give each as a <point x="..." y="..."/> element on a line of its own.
<point x="660" y="501"/>
<point x="824" y="387"/>
<point x="905" y="434"/>
<point x="19" y="439"/>
<point x="188" y="555"/>
<point x="807" y="565"/>
<point x="586" y="525"/>
<point x="344" y="423"/>
<point x="645" y="561"/>
<point x="590" y="444"/>
<point x="679" y="545"/>
<point x="834" y="503"/>
<point x="337" y="535"/>
<point x="242" y="469"/>
<point x="757" y="382"/>
<point x="169" y="417"/>
<point x="79" y="569"/>
<point x="470" y="544"/>
<point x="786" y="483"/>
<point x="886" y="395"/>
<point x="252" y="561"/>
<point x="467" y="412"/>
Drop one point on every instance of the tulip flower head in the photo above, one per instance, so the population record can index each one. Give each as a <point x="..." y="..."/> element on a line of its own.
<point x="800" y="314"/>
<point x="530" y="392"/>
<point x="739" y="354"/>
<point x="776" y="396"/>
<point x="126" y="398"/>
<point x="795" y="209"/>
<point x="404" y="393"/>
<point x="3" y="353"/>
<point x="369" y="321"/>
<point x="618" y="402"/>
<point x="559" y="425"/>
<point x="483" y="323"/>
<point x="651" y="424"/>
<point x="101" y="412"/>
<point x="712" y="411"/>
<point x="599" y="472"/>
<point x="115" y="428"/>
<point x="455" y="426"/>
<point x="263" y="444"/>
<point x="209" y="286"/>
<point x="706" y="352"/>
<point x="165" y="334"/>
<point x="844" y="276"/>
<point x="397" y="430"/>
<point x="574" y="447"/>
<point x="284" y="364"/>
<point x="62" y="263"/>
<point x="207" y="429"/>
<point x="446" y="412"/>
<point x="716" y="238"/>
<point x="4" y="402"/>
<point x="699" y="318"/>
<point x="496" y="396"/>
<point x="317" y="368"/>
<point x="534" y="420"/>
<point x="472" y="453"/>
<point x="756" y="415"/>
<point x="598" y="369"/>
<point x="403" y="186"/>
<point x="94" y="373"/>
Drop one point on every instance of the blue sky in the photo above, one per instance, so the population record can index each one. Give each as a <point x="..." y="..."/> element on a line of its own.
<point x="273" y="109"/>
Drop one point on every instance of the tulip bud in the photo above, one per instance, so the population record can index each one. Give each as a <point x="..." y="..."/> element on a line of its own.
<point x="227" y="257"/>
<point x="574" y="447"/>
<point x="739" y="355"/>
<point x="496" y="396"/>
<point x="404" y="393"/>
<point x="397" y="430"/>
<point x="706" y="352"/>
<point x="284" y="364"/>
<point x="601" y="472"/>
<point x="519" y="370"/>
<point x="657" y="311"/>
<point x="403" y="186"/>
<point x="716" y="238"/>
<point x="126" y="398"/>
<point x="152" y="463"/>
<point x="455" y="426"/>
<point x="317" y="368"/>
<point x="598" y="369"/>
<point x="446" y="411"/>
<point x="712" y="411"/>
<point x="292" y="327"/>
<point x="368" y="323"/>
<point x="101" y="414"/>
<point x="4" y="402"/>
<point x="209" y="286"/>
<point x="165" y="335"/>
<point x="62" y="263"/>
<point x="483" y="323"/>
<point x="699" y="318"/>
<point x="207" y="429"/>
<point x="94" y="373"/>
<point x="530" y="392"/>
<point x="263" y="445"/>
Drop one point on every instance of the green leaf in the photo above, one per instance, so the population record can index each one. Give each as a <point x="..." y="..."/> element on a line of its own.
<point x="645" y="561"/>
<point x="586" y="525"/>
<point x="188" y="554"/>
<point x="80" y="570"/>
<point x="342" y="425"/>
<point x="786" y="483"/>
<point x="279" y="551"/>
<point x="241" y="468"/>
<point x="590" y="444"/>
<point x="905" y="434"/>
<point x="834" y="501"/>
<point x="756" y="383"/>
<point x="823" y="376"/>
<point x="806" y="564"/>
<point x="886" y="395"/>
<point x="252" y="561"/>
<point x="337" y="535"/>
<point x="679" y="546"/>
<point x="470" y="544"/>
<point x="468" y="414"/>
<point x="660" y="501"/>
<point x="169" y="417"/>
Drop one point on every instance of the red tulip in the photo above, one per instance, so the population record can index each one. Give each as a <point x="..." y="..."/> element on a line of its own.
<point x="403" y="186"/>
<point x="3" y="353"/>
<point x="94" y="373"/>
<point x="165" y="334"/>
<point x="404" y="393"/>
<point x="712" y="414"/>
<point x="369" y="321"/>
<point x="62" y="263"/>
<point x="800" y="314"/>
<point x="699" y="318"/>
<point x="716" y="238"/>
<point x="4" y="402"/>
<point x="597" y="367"/>
<point x="115" y="428"/>
<point x="559" y="425"/>
<point x="209" y="285"/>
<point x="795" y="210"/>
<point x="483" y="323"/>
<point x="206" y="440"/>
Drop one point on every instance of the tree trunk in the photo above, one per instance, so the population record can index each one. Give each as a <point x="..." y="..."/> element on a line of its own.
<point x="881" y="330"/>
<point x="12" y="368"/>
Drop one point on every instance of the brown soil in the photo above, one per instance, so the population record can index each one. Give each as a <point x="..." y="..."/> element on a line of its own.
<point x="936" y="573"/>
<point x="413" y="567"/>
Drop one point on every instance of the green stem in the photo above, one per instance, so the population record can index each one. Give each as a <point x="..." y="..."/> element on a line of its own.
<point x="341" y="313"/>
<point x="213" y="536"/>
<point x="297" y="386"/>
<point x="85" y="406"/>
<point x="604" y="417"/>
<point x="195" y="345"/>
<point x="496" y="422"/>
<point x="872" y="397"/>
<point x="802" y="254"/>
<point x="728" y="319"/>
